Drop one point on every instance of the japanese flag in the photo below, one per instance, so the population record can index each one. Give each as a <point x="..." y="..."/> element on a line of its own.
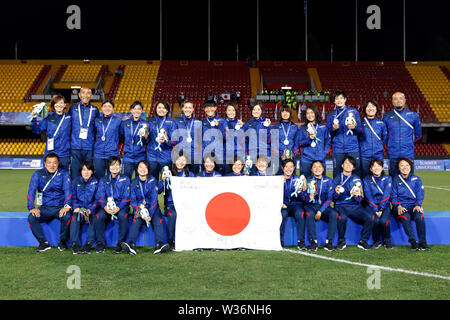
<point x="228" y="212"/>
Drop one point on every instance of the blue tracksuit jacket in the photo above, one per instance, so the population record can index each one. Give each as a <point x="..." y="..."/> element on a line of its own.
<point x="401" y="194"/>
<point x="320" y="151"/>
<point x="109" y="147"/>
<point x="75" y="111"/>
<point x="343" y="142"/>
<point x="378" y="200"/>
<point x="118" y="188"/>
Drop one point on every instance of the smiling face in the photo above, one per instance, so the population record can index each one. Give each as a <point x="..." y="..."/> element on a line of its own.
<point x="261" y="165"/>
<point x="59" y="106"/>
<point x="180" y="163"/>
<point x="51" y="164"/>
<point x="142" y="170"/>
<point x="347" y="166"/>
<point x="161" y="110"/>
<point x="86" y="173"/>
<point x="317" y="169"/>
<point x="371" y="110"/>
<point x="85" y="95"/>
<point x="114" y="168"/>
<point x="376" y="169"/>
<point x="256" y="111"/>
<point x="136" y="111"/>
<point x="237" y="166"/>
<point x="288" y="169"/>
<point x="310" y="115"/>
<point x="340" y="101"/>
<point x="231" y="112"/>
<point x="107" y="109"/>
<point x="285" y="115"/>
<point x="404" y="168"/>
<point x="210" y="111"/>
<point x="209" y="165"/>
<point x="398" y="100"/>
<point x="188" y="109"/>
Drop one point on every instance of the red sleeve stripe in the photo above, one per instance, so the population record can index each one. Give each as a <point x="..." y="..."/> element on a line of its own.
<point x="28" y="196"/>
<point x="418" y="139"/>
<point x="385" y="199"/>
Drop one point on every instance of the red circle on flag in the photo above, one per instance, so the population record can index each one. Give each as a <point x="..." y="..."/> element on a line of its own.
<point x="227" y="214"/>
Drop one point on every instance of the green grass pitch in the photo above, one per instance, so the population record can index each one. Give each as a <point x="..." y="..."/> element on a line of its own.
<point x="226" y="274"/>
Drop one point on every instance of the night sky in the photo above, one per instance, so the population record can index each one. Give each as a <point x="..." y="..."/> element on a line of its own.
<point x="131" y="30"/>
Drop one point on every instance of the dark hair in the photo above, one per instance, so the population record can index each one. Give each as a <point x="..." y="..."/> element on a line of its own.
<point x="367" y="103"/>
<point x="51" y="155"/>
<point x="237" y="158"/>
<point x="351" y="160"/>
<point x="408" y="160"/>
<point x="234" y="105"/>
<point x="285" y="108"/>
<point x="164" y="103"/>
<point x="263" y="158"/>
<point x="55" y="99"/>
<point x="338" y="93"/>
<point x="186" y="101"/>
<point x="89" y="165"/>
<point x="113" y="159"/>
<point x="108" y="101"/>
<point x="377" y="161"/>
<point x="316" y="113"/>
<point x="136" y="103"/>
<point x="286" y="161"/>
<point x="186" y="167"/>
<point x="318" y="161"/>
<point x="256" y="103"/>
<point x="211" y="156"/>
<point x="209" y="103"/>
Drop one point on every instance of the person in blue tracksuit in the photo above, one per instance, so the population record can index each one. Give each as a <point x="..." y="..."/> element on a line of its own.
<point x="318" y="206"/>
<point x="113" y="196"/>
<point x="287" y="136"/>
<point x="84" y="189"/>
<point x="159" y="148"/>
<point x="257" y="133"/>
<point x="83" y="115"/>
<point x="213" y="128"/>
<point x="313" y="147"/>
<point x="347" y="202"/>
<point x="373" y="137"/>
<point x="107" y="128"/>
<point x="189" y="136"/>
<point x="209" y="163"/>
<point x="236" y="168"/>
<point x="57" y="125"/>
<point x="378" y="189"/>
<point x="404" y="130"/>
<point x="407" y="198"/>
<point x="180" y="168"/>
<point x="50" y="196"/>
<point x="233" y="139"/>
<point x="293" y="203"/>
<point x="344" y="136"/>
<point x="134" y="134"/>
<point x="144" y="193"/>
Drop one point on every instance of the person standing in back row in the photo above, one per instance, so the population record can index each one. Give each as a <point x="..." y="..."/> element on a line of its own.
<point x="404" y="130"/>
<point x="82" y="139"/>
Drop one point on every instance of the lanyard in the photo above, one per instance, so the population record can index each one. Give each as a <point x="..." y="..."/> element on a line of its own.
<point x="79" y="116"/>
<point x="337" y="116"/>
<point x="342" y="178"/>
<point x="320" y="189"/>
<point x="409" y="188"/>
<point x="142" y="190"/>
<point x="404" y="120"/>
<point x="370" y="127"/>
<point x="284" y="131"/>
<point x="159" y="127"/>
<point x="49" y="181"/>
<point x="110" y="184"/>
<point x="190" y="127"/>
<point x="103" y="128"/>
<point x="211" y="122"/>
<point x="59" y="126"/>
<point x="376" y="184"/>
<point x="134" y="133"/>
<point x="290" y="184"/>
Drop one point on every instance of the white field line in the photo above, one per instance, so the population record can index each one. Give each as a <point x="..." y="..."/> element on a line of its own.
<point x="439" y="188"/>
<point x="423" y="274"/>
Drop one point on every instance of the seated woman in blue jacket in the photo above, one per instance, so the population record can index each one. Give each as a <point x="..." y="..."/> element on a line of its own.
<point x="144" y="201"/>
<point x="294" y="200"/>
<point x="84" y="189"/>
<point x="378" y="188"/>
<point x="113" y="196"/>
<point x="180" y="168"/>
<point x="347" y="199"/>
<point x="209" y="165"/>
<point x="407" y="197"/>
<point x="318" y="207"/>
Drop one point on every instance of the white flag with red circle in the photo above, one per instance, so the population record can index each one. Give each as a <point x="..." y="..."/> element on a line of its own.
<point x="228" y="212"/>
